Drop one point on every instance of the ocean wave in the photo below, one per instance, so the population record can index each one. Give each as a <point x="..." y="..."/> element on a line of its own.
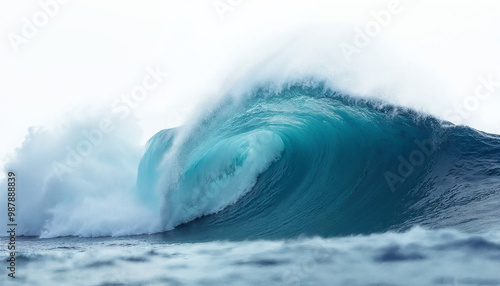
<point x="301" y="159"/>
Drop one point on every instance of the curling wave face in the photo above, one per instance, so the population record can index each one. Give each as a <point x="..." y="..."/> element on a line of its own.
<point x="306" y="160"/>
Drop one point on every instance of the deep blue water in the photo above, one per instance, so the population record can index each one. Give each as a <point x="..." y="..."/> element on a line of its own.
<point x="321" y="163"/>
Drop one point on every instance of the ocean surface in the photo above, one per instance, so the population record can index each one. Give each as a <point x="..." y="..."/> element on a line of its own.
<point x="415" y="257"/>
<point x="298" y="185"/>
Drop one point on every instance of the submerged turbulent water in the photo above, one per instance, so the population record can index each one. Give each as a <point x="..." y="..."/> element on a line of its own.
<point x="301" y="186"/>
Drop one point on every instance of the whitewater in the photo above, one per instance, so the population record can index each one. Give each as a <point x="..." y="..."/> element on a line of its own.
<point x="274" y="158"/>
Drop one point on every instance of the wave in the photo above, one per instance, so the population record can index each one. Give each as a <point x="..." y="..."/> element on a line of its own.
<point x="308" y="160"/>
<point x="273" y="163"/>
